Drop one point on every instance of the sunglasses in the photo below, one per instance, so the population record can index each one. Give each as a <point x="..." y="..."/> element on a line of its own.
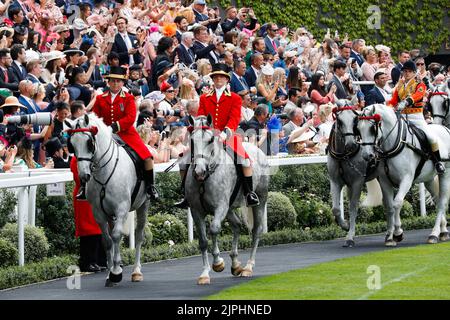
<point x="420" y="64"/>
<point x="170" y="91"/>
<point x="275" y="30"/>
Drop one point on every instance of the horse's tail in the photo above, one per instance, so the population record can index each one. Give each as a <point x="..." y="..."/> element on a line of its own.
<point x="374" y="196"/>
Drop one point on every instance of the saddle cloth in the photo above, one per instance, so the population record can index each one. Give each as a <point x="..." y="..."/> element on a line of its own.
<point x="137" y="161"/>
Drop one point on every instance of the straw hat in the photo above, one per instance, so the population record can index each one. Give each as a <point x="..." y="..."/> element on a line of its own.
<point x="52" y="55"/>
<point x="12" y="102"/>
<point x="304" y="137"/>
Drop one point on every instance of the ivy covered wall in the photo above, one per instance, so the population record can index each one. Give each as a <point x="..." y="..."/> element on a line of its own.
<point x="405" y="24"/>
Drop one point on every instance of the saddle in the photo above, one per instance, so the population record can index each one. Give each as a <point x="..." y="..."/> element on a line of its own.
<point x="137" y="161"/>
<point x="425" y="151"/>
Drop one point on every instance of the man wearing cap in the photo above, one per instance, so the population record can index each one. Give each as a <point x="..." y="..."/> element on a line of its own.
<point x="54" y="149"/>
<point x="118" y="110"/>
<point x="225" y="109"/>
<point x="168" y="91"/>
<point x="377" y="94"/>
<point x="408" y="99"/>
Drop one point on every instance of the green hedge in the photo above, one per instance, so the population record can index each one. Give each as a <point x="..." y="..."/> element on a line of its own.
<point x="52" y="268"/>
<point x="165" y="227"/>
<point x="8" y="202"/>
<point x="280" y="212"/>
<point x="8" y="253"/>
<point x="405" y="24"/>
<point x="36" y="243"/>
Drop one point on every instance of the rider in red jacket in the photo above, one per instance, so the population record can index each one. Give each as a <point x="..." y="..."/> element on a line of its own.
<point x="225" y="108"/>
<point x="118" y="110"/>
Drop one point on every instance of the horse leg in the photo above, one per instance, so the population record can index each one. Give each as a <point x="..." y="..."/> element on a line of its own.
<point x="441" y="205"/>
<point x="216" y="225"/>
<point x="336" y="189"/>
<point x="203" y="244"/>
<point x="108" y="244"/>
<point x="115" y="275"/>
<point x="235" y="223"/>
<point x="141" y="215"/>
<point x="403" y="189"/>
<point x="258" y="213"/>
<point x="388" y="198"/>
<point x="354" y="193"/>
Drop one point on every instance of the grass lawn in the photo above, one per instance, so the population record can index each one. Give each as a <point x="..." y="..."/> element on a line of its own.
<point x="421" y="272"/>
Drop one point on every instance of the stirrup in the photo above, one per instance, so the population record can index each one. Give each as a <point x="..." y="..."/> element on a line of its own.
<point x="183" y="204"/>
<point x="440" y="168"/>
<point x="81" y="194"/>
<point x="252" y="199"/>
<point x="152" y="192"/>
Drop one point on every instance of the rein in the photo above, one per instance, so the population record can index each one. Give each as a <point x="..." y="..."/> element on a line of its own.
<point x="445" y="104"/>
<point x="333" y="152"/>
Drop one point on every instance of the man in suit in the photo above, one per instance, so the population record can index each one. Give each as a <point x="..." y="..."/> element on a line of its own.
<point x="18" y="65"/>
<point x="185" y="53"/>
<point x="25" y="10"/>
<point x="125" y="44"/>
<point x="339" y="76"/>
<point x="270" y="40"/>
<point x="252" y="73"/>
<point x="297" y="119"/>
<point x="231" y="19"/>
<point x="34" y="70"/>
<point x="357" y="47"/>
<point x="6" y="74"/>
<point x="182" y="26"/>
<point x="403" y="56"/>
<point x="377" y="94"/>
<point x="258" y="46"/>
<point x="203" y="47"/>
<point x="238" y="84"/>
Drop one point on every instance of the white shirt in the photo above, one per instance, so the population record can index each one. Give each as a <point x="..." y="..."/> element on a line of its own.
<point x="247" y="113"/>
<point x="211" y="53"/>
<point x="113" y="96"/>
<point x="257" y="72"/>
<point x="21" y="68"/>
<point x="219" y="92"/>
<point x="129" y="45"/>
<point x="30" y="102"/>
<point x="384" y="93"/>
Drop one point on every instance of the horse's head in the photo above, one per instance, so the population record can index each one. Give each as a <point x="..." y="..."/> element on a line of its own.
<point x="82" y="144"/>
<point x="369" y="125"/>
<point x="346" y="126"/>
<point x="203" y="148"/>
<point x="439" y="104"/>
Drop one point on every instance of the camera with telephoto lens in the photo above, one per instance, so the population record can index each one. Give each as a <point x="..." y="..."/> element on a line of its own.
<point x="41" y="119"/>
<point x="282" y="116"/>
<point x="173" y="113"/>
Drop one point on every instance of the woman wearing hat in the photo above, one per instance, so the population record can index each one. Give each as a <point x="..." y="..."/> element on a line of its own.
<point x="266" y="87"/>
<point x="118" y="110"/>
<point x="408" y="98"/>
<point x="225" y="108"/>
<point x="52" y="71"/>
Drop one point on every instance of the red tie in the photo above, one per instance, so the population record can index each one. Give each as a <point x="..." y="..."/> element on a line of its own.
<point x="5" y="72"/>
<point x="274" y="45"/>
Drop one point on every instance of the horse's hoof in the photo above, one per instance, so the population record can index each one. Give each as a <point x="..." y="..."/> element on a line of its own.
<point x="137" y="277"/>
<point x="432" y="240"/>
<point x="115" y="278"/>
<point x="246" y="273"/>
<point x="444" y="236"/>
<point x="236" y="271"/>
<point x="203" y="281"/>
<point x="349" y="244"/>
<point x="398" y="238"/>
<point x="219" y="267"/>
<point x="390" y="243"/>
<point x="109" y="283"/>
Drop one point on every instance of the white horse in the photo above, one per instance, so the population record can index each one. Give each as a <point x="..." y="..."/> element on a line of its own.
<point x="386" y="136"/>
<point x="346" y="167"/>
<point x="111" y="179"/>
<point x="440" y="105"/>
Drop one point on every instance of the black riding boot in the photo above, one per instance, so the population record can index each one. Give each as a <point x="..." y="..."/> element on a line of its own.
<point x="183" y="204"/>
<point x="150" y="184"/>
<point x="81" y="195"/>
<point x="440" y="168"/>
<point x="250" y="196"/>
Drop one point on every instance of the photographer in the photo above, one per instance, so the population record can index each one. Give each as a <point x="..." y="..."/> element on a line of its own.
<point x="136" y="80"/>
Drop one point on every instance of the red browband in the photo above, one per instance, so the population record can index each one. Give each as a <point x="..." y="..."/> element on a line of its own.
<point x="439" y="94"/>
<point x="93" y="130"/>
<point x="375" y="117"/>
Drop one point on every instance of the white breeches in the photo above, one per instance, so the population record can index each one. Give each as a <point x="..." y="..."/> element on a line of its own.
<point x="419" y="121"/>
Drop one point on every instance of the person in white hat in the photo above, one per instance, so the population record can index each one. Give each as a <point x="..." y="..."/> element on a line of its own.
<point x="52" y="67"/>
<point x="266" y="87"/>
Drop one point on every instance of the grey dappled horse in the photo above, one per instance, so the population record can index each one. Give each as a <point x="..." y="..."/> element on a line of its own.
<point x="111" y="178"/>
<point x="440" y="105"/>
<point x="210" y="182"/>
<point x="346" y="167"/>
<point x="382" y="137"/>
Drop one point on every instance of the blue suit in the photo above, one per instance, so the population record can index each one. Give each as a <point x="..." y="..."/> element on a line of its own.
<point x="250" y="77"/>
<point x="358" y="57"/>
<point x="395" y="73"/>
<point x="269" y="46"/>
<point x="374" y="96"/>
<point x="237" y="85"/>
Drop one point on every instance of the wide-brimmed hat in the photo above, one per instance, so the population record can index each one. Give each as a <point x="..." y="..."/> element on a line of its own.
<point x="304" y="137"/>
<point x="117" y="73"/>
<point x="267" y="70"/>
<point x="31" y="55"/>
<point x="12" y="102"/>
<point x="155" y="96"/>
<point x="79" y="24"/>
<point x="409" y="65"/>
<point x="163" y="65"/>
<point x="71" y="52"/>
<point x="61" y="27"/>
<point x="52" y="55"/>
<point x="220" y="69"/>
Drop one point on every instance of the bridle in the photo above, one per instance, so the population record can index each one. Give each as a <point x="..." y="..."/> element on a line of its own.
<point x="445" y="105"/>
<point x="336" y="129"/>
<point x="212" y="163"/>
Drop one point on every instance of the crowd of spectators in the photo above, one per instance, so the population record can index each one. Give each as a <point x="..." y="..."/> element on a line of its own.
<point x="54" y="55"/>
